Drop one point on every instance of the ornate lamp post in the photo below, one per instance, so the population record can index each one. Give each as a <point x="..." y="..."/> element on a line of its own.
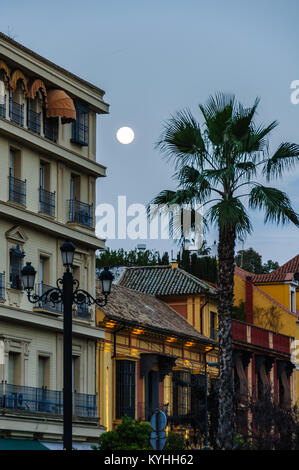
<point x="67" y="292"/>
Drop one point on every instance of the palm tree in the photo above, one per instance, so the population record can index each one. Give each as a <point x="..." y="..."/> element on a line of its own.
<point x="214" y="163"/>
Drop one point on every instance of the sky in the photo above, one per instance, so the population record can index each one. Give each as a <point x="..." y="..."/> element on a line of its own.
<point x="156" y="57"/>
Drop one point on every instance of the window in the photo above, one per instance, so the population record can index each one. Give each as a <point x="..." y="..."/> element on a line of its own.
<point x="17" y="187"/>
<point x="81" y="126"/>
<point x="43" y="371"/>
<point x="292" y="299"/>
<point x="15" y="266"/>
<point x="51" y="128"/>
<point x="125" y="389"/>
<point x="2" y="97"/>
<point x="46" y="197"/>
<point x="181" y="393"/>
<point x="213" y="330"/>
<point x="34" y="115"/>
<point x="16" y="106"/>
<point x="76" y="373"/>
<point x="14" y="370"/>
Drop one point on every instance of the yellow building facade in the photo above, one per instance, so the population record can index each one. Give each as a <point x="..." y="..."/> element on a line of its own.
<point x="161" y="353"/>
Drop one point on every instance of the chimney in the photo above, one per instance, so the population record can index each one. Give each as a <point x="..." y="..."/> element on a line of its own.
<point x="174" y="264"/>
<point x="249" y="300"/>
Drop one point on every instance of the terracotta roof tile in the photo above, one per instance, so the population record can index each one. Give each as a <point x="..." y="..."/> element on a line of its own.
<point x="147" y="311"/>
<point x="164" y="280"/>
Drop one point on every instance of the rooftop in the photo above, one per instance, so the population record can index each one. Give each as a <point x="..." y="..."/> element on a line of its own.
<point x="164" y="280"/>
<point x="131" y="307"/>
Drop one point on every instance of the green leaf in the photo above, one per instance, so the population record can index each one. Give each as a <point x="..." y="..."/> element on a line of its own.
<point x="275" y="203"/>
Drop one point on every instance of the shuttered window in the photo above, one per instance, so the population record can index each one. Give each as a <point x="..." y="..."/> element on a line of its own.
<point x="125" y="389"/>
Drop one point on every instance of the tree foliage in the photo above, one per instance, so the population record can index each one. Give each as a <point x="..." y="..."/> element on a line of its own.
<point x="121" y="257"/>
<point x="135" y="435"/>
<point x="251" y="261"/>
<point x="203" y="267"/>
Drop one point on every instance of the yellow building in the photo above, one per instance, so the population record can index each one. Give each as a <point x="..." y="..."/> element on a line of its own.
<point x="264" y="329"/>
<point x="48" y="174"/>
<point x="151" y="358"/>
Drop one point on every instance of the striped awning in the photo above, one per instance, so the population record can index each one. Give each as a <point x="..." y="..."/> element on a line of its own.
<point x="61" y="105"/>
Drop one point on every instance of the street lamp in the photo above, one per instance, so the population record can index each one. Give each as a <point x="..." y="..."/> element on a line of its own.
<point x="67" y="292"/>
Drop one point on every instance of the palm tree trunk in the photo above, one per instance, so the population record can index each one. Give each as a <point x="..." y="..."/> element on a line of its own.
<point x="226" y="252"/>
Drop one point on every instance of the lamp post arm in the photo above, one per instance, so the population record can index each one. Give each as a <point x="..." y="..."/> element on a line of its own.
<point x="53" y="295"/>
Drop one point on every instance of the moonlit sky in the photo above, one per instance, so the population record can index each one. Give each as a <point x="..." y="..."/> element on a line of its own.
<point x="156" y="57"/>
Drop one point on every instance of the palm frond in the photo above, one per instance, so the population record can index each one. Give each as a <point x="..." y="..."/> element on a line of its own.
<point x="285" y="158"/>
<point x="218" y="112"/>
<point x="241" y="121"/>
<point x="275" y="203"/>
<point x="181" y="139"/>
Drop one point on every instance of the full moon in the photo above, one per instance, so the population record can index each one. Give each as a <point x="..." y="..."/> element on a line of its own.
<point x="125" y="135"/>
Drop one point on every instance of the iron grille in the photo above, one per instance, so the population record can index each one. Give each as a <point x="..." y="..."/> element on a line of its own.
<point x="82" y="311"/>
<point x="42" y="400"/>
<point x="47" y="202"/>
<point x="80" y="212"/>
<point x="17" y="190"/>
<point x="34" y="121"/>
<point x="17" y="113"/>
<point x="2" y="285"/>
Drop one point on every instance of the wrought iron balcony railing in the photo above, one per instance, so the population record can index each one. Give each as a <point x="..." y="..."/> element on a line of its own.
<point x="34" y="121"/>
<point x="2" y="285"/>
<point x="47" y="202"/>
<point x="3" y="106"/>
<point x="17" y="113"/>
<point x="82" y="312"/>
<point x="80" y="212"/>
<point x="40" y="289"/>
<point x="32" y="399"/>
<point x="17" y="190"/>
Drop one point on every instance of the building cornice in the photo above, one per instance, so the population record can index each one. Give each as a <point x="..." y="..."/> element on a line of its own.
<point x="41" y="144"/>
<point x="37" y="65"/>
<point x="43" y="320"/>
<point x="42" y="223"/>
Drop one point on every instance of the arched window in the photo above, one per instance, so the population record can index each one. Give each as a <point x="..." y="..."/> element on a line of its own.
<point x="17" y="100"/>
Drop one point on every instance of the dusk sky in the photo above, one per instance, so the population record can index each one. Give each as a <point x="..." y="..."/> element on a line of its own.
<point x="154" y="58"/>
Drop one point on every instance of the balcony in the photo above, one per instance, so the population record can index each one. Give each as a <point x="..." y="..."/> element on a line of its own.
<point x="47" y="202"/>
<point x="17" y="113"/>
<point x="260" y="337"/>
<point x="17" y="190"/>
<point x="40" y="289"/>
<point x="82" y="312"/>
<point x="2" y="286"/>
<point x="80" y="213"/>
<point x="42" y="400"/>
<point x="3" y="106"/>
<point x="34" y="122"/>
